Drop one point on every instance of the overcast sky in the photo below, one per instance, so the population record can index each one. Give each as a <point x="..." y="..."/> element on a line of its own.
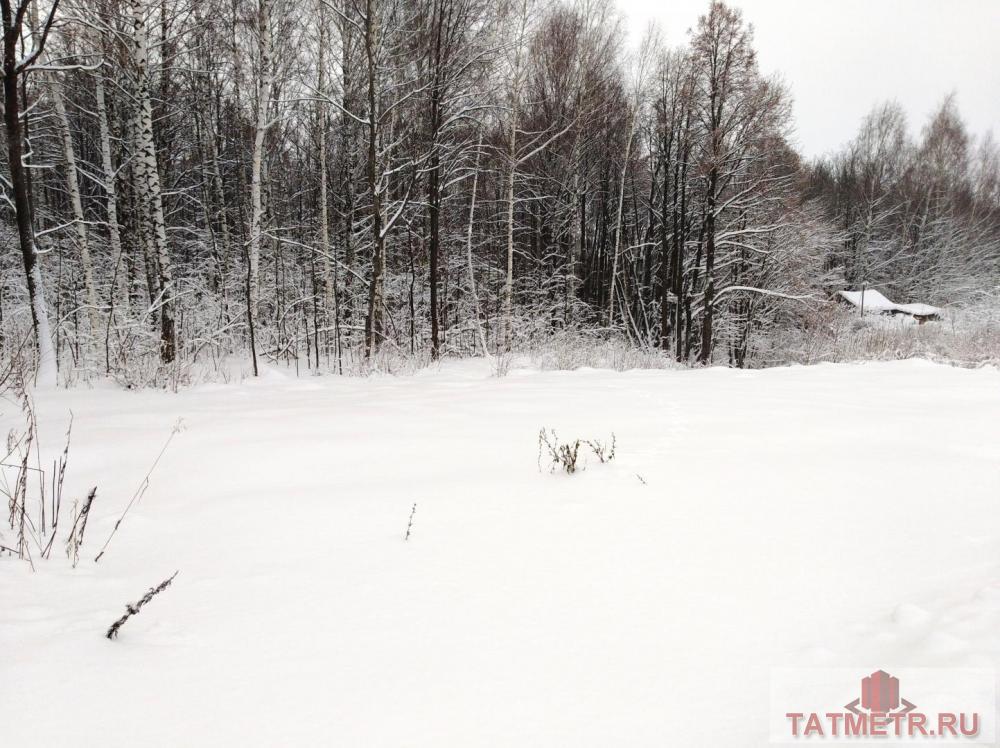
<point x="840" y="57"/>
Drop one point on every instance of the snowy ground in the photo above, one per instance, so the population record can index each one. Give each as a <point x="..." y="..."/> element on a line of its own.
<point x="835" y="515"/>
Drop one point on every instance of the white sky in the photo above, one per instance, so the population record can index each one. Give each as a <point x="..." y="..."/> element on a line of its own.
<point x="840" y="57"/>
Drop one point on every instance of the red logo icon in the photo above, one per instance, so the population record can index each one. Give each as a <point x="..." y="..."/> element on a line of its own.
<point x="880" y="695"/>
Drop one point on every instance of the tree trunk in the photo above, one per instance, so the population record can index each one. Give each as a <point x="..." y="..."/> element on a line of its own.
<point x="148" y="181"/>
<point x="331" y="313"/>
<point x="508" y="289"/>
<point x="468" y="251"/>
<point x="433" y="210"/>
<point x="46" y="374"/>
<point x="76" y="204"/>
<point x="707" y="320"/>
<point x="434" y="172"/>
<point x="110" y="188"/>
<point x="373" y="320"/>
<point x="508" y="286"/>
<point x="618" y="221"/>
<point x="264" y="83"/>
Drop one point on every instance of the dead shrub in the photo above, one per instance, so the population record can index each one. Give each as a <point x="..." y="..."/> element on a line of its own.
<point x="566" y="455"/>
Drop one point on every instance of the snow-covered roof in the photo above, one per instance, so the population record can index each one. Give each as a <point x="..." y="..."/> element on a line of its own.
<point x="874" y="302"/>
<point x="870" y="299"/>
<point x="919" y="310"/>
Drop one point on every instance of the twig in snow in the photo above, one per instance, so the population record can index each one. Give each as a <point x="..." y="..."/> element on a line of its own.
<point x="603" y="451"/>
<point x="75" y="539"/>
<point x="58" y="476"/>
<point x="409" y="525"/>
<point x="142" y="487"/>
<point x="131" y="610"/>
<point x="641" y="479"/>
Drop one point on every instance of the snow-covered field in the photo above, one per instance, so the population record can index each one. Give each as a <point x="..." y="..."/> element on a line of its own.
<point x="838" y="515"/>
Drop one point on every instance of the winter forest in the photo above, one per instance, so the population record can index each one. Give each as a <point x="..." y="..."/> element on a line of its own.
<point x="333" y="182"/>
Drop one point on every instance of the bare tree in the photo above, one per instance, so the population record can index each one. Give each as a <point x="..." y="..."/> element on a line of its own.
<point x="15" y="68"/>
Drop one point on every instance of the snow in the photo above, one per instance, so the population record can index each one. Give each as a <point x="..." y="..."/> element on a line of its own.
<point x="750" y="520"/>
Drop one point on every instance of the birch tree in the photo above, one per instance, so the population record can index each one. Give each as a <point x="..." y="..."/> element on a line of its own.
<point x="108" y="171"/>
<point x="147" y="178"/>
<point x="76" y="203"/>
<point x="264" y="84"/>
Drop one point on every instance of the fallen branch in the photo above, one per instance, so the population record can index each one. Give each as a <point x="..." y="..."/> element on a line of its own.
<point x="131" y="610"/>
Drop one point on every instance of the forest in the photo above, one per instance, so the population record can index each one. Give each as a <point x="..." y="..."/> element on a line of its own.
<point x="329" y="183"/>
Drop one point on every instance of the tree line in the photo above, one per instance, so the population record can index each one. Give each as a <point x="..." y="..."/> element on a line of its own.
<point x="323" y="180"/>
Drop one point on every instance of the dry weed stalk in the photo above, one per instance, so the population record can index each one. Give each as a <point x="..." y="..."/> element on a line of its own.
<point x="409" y="525"/>
<point x="142" y="486"/>
<point x="75" y="538"/>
